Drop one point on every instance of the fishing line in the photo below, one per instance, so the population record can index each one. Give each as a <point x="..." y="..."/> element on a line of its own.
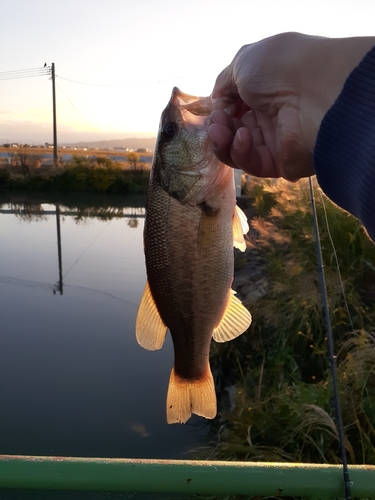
<point x="336" y="259"/>
<point x="86" y="249"/>
<point x="77" y="111"/>
<point x="102" y="292"/>
<point x="331" y="350"/>
<point x="23" y="282"/>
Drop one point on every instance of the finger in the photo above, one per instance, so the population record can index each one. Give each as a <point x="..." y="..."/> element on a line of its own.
<point x="222" y="118"/>
<point x="221" y="141"/>
<point x="254" y="160"/>
<point x="238" y="108"/>
<point x="249" y="120"/>
<point x="266" y="163"/>
<point x="242" y="148"/>
<point x="257" y="137"/>
<point x="224" y="86"/>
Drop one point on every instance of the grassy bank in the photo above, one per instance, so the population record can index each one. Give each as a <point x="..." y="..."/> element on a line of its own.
<point x="98" y="174"/>
<point x="275" y="382"/>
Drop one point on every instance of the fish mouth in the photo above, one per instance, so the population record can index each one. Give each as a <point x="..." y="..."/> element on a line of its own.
<point x="198" y="106"/>
<point x="177" y="93"/>
<point x="188" y="169"/>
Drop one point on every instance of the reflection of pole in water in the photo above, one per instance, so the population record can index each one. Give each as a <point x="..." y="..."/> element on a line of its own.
<point x="59" y="247"/>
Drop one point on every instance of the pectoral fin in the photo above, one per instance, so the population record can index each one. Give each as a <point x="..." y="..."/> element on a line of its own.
<point x="240" y="227"/>
<point x="235" y="321"/>
<point x="149" y="327"/>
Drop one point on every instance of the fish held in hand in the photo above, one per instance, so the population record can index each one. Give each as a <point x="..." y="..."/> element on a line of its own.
<point x="192" y="222"/>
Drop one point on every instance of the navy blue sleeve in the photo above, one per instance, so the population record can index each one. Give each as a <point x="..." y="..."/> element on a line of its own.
<point x="344" y="154"/>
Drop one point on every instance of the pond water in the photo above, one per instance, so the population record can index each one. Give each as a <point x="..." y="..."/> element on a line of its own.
<point x="74" y="381"/>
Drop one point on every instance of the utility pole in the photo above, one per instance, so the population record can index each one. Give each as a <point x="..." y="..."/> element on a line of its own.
<point x="59" y="253"/>
<point x="54" y="115"/>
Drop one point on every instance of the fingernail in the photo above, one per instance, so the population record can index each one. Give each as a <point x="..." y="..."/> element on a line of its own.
<point x="237" y="141"/>
<point x="213" y="139"/>
<point x="211" y="120"/>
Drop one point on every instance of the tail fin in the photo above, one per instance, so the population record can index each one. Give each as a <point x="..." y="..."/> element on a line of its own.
<point x="190" y="396"/>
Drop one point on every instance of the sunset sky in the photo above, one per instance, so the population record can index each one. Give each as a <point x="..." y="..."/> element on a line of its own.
<point x="117" y="60"/>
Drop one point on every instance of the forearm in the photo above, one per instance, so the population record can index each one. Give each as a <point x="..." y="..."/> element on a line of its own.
<point x="344" y="154"/>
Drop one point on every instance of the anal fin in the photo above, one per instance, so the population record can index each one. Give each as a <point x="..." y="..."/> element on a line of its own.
<point x="186" y="397"/>
<point x="150" y="329"/>
<point x="236" y="320"/>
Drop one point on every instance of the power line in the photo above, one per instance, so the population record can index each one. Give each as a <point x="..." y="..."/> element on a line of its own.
<point x="139" y="84"/>
<point x="25" y="73"/>
<point x="32" y="72"/>
<point x="15" y="71"/>
<point x="46" y="70"/>
<point x="23" y="76"/>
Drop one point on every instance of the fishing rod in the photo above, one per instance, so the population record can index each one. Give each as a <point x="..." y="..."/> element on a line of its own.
<point x="331" y="350"/>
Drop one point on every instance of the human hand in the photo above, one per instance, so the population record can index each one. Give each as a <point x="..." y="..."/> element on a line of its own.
<point x="271" y="99"/>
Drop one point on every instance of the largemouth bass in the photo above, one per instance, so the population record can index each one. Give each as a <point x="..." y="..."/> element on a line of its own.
<point x="192" y="223"/>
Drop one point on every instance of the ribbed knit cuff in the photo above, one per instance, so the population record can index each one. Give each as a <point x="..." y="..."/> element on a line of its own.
<point x="344" y="155"/>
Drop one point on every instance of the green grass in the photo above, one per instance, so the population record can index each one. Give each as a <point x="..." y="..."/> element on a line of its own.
<point x="99" y="175"/>
<point x="278" y="371"/>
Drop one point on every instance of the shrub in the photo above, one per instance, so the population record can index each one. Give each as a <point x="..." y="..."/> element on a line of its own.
<point x="282" y="408"/>
<point x="98" y="174"/>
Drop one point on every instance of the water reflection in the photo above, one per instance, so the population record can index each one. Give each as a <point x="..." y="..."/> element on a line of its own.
<point x="73" y="379"/>
<point x="29" y="212"/>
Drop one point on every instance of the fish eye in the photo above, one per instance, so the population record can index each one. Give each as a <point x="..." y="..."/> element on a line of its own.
<point x="169" y="130"/>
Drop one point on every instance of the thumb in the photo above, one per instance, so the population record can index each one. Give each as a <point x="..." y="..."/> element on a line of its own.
<point x="224" y="87"/>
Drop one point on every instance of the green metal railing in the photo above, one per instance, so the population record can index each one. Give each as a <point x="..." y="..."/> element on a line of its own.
<point x="313" y="481"/>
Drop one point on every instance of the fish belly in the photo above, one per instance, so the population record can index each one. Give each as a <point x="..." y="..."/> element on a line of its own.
<point x="189" y="260"/>
<point x="189" y="280"/>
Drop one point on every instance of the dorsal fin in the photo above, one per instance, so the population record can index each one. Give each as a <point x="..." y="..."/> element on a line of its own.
<point x="235" y="320"/>
<point x="240" y="227"/>
<point x="150" y="329"/>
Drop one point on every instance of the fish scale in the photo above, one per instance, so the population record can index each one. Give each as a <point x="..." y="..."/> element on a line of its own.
<point x="191" y="225"/>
